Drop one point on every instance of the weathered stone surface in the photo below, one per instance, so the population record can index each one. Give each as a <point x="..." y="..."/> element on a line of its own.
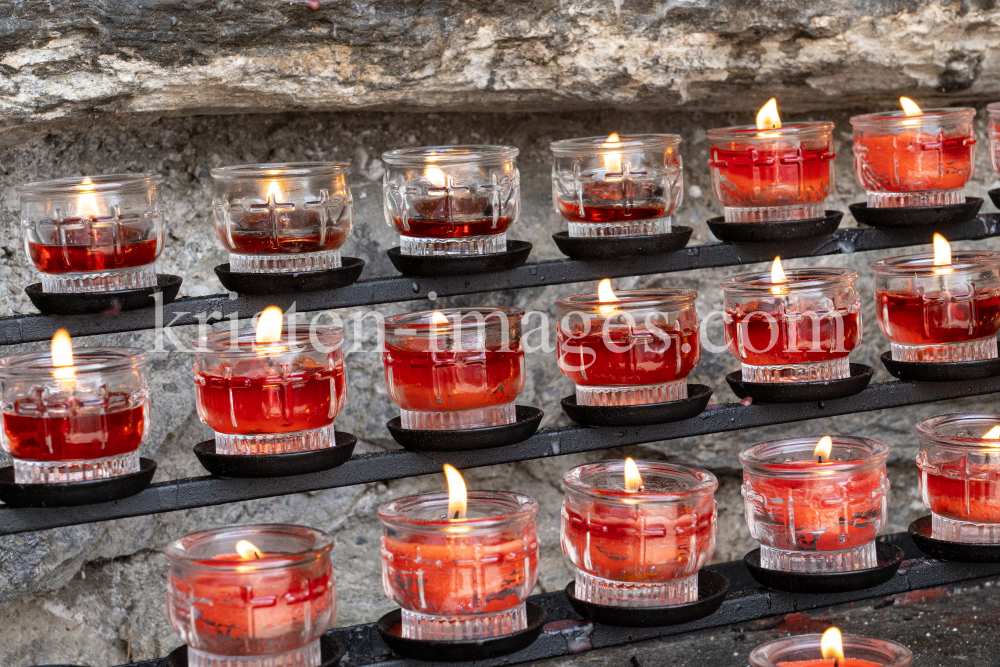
<point x="68" y="59"/>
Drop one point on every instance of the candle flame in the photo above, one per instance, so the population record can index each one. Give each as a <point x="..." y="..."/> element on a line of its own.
<point x="269" y="325"/>
<point x="435" y="176"/>
<point x="832" y="645"/>
<point x="248" y="550"/>
<point x="633" y="480"/>
<point x="613" y="160"/>
<point x="457" y="495"/>
<point x="910" y="107"/>
<point x="942" y="255"/>
<point x="824" y="447"/>
<point x="62" y="356"/>
<point x="606" y="295"/>
<point x="86" y="204"/>
<point x="777" y="276"/>
<point x="273" y="191"/>
<point x="993" y="433"/>
<point x="767" y="117"/>
<point x="437" y="317"/>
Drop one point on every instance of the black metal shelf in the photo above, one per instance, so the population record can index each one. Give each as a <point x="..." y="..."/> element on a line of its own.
<point x="205" y="491"/>
<point x="26" y="328"/>
<point x="567" y="633"/>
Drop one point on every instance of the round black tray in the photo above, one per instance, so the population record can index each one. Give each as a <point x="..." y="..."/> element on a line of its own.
<point x="460" y="265"/>
<point x="390" y="627"/>
<point x="616" y="247"/>
<point x="920" y="531"/>
<point x="70" y="494"/>
<point x="639" y="415"/>
<point x="275" y="465"/>
<point x="940" y="371"/>
<point x="889" y="558"/>
<point x="916" y="216"/>
<point x="81" y="303"/>
<point x="461" y="440"/>
<point x="763" y="232"/>
<point x="290" y="283"/>
<point x="995" y="196"/>
<point x="801" y="392"/>
<point x="712" y="589"/>
<point x="330" y="653"/>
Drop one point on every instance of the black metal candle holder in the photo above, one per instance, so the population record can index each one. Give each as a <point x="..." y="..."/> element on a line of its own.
<point x="330" y="653"/>
<point x="995" y="196"/>
<point x="802" y="392"/>
<point x="82" y="303"/>
<point x="639" y="415"/>
<point x="461" y="440"/>
<point x="290" y="283"/>
<point x="769" y="232"/>
<point x="916" y="216"/>
<point x="71" y="494"/>
<point x="439" y="266"/>
<point x="940" y="371"/>
<point x="276" y="465"/>
<point x="889" y="557"/>
<point x="712" y="589"/>
<point x="616" y="247"/>
<point x="920" y="531"/>
<point x="390" y="627"/>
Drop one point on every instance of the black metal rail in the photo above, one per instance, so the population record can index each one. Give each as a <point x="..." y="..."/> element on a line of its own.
<point x="567" y="633"/>
<point x="206" y="491"/>
<point x="371" y="291"/>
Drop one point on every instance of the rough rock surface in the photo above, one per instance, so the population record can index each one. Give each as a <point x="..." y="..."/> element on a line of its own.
<point x="94" y="594"/>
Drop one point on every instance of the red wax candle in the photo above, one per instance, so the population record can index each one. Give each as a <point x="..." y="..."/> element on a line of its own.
<point x="824" y="662"/>
<point x="925" y="319"/>
<point x="807" y="651"/>
<point x="448" y="217"/>
<point x="254" y="233"/>
<point x="622" y="357"/>
<point x="609" y="201"/>
<point x="88" y="434"/>
<point x="55" y="259"/>
<point x="782" y="339"/>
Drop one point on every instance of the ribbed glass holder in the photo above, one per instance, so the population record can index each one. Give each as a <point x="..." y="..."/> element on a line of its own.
<point x="647" y="227"/>
<point x="642" y="394"/>
<point x="450" y="420"/>
<point x="818" y="562"/>
<point x="101" y="281"/>
<point x="289" y="263"/>
<point x="464" y="628"/>
<point x="470" y="245"/>
<point x="635" y="594"/>
<point x="968" y="350"/>
<point x="276" y="443"/>
<point x="903" y="199"/>
<point x="307" y="656"/>
<point x="774" y="213"/>
<point x="968" y="532"/>
<point x="816" y="371"/>
<point x="60" y="472"/>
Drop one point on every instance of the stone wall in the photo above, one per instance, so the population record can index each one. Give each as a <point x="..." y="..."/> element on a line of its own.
<point x="114" y="86"/>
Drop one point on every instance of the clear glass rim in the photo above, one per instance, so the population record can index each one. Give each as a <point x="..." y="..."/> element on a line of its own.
<point x="450" y="155"/>
<point x="806" y="128"/>
<point x="761" y="655"/>
<point x="221" y="342"/>
<point x="280" y="169"/>
<point x="521" y="509"/>
<point x="177" y="551"/>
<point x="931" y="430"/>
<point x="893" y="117"/>
<point x="670" y="299"/>
<point x="923" y="264"/>
<point x="993" y="108"/>
<point x="754" y="458"/>
<point x="625" y="143"/>
<point x="750" y="284"/>
<point x="706" y="486"/>
<point x="98" y="184"/>
<point x="85" y="360"/>
<point x="420" y="323"/>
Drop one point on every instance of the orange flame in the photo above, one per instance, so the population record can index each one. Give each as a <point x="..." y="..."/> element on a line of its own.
<point x="458" y="497"/>
<point x="248" y="550"/>
<point x="86" y="204"/>
<point x="778" y="276"/>
<point x="437" y="317"/>
<point x="613" y="160"/>
<point x="942" y="255"/>
<point x="633" y="480"/>
<point x="435" y="176"/>
<point x="274" y="191"/>
<point x="269" y="325"/>
<point x="767" y="117"/>
<point x="606" y="295"/>
<point x="993" y="434"/>
<point x="823" y="448"/>
<point x="62" y="356"/>
<point x="832" y="645"/>
<point x="910" y="107"/>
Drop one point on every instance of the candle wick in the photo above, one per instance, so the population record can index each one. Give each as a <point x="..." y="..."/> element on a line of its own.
<point x="819" y="459"/>
<point x="458" y="514"/>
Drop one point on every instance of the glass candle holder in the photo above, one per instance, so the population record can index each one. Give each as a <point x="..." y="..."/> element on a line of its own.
<point x="637" y="350"/>
<point x="69" y="424"/>
<point x="772" y="175"/>
<point x="255" y="595"/>
<point x="799" y="330"/>
<point x="638" y="548"/>
<point x="95" y="234"/>
<point x="454" y="369"/>
<point x="921" y="160"/>
<point x="624" y="187"/>
<point x="960" y="476"/>
<point x="993" y="129"/>
<point x="452" y="200"/>
<point x="805" y="651"/>
<point x="283" y="218"/>
<point x="271" y="398"/>
<point x="816" y="514"/>
<point x="939" y="313"/>
<point x="460" y="579"/>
